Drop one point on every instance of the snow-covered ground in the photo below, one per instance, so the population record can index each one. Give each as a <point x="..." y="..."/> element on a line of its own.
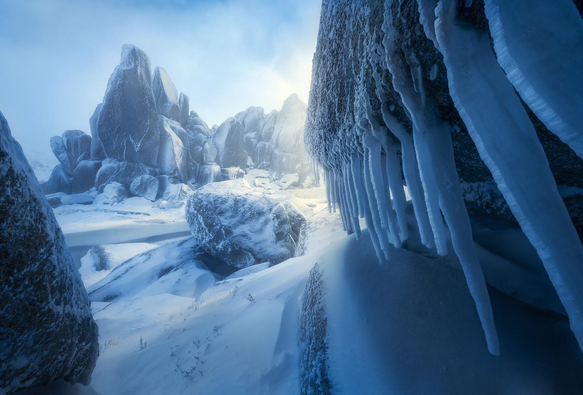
<point x="175" y="327"/>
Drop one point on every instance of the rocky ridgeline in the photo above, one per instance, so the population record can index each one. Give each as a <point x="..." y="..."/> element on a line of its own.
<point x="145" y="139"/>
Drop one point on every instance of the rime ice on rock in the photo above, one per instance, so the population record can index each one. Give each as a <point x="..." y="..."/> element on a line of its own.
<point x="127" y="125"/>
<point x="47" y="331"/>
<point x="166" y="95"/>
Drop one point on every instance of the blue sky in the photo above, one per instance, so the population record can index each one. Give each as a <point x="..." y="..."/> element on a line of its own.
<point x="57" y="55"/>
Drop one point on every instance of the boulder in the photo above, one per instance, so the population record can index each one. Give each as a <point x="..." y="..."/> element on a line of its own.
<point x="251" y="119"/>
<point x="230" y="143"/>
<point x="77" y="142"/>
<point x="123" y="172"/>
<point x="62" y="199"/>
<point x="127" y="125"/>
<point x="173" y="156"/>
<point x="59" y="181"/>
<point x="175" y="195"/>
<point x="237" y="226"/>
<point x="145" y="186"/>
<point x="288" y="180"/>
<point x="250" y="143"/>
<point x="84" y="175"/>
<point x="196" y="124"/>
<point x="165" y="95"/>
<point x="262" y="156"/>
<point x="66" y="159"/>
<point x="96" y="150"/>
<point x="183" y="101"/>
<point x="47" y="331"/>
<point x="114" y="192"/>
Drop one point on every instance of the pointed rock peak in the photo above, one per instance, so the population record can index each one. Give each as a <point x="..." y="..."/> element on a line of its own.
<point x="132" y="55"/>
<point x="294" y="99"/>
<point x="165" y="94"/>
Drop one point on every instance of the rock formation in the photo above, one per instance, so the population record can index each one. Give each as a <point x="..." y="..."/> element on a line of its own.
<point x="47" y="331"/>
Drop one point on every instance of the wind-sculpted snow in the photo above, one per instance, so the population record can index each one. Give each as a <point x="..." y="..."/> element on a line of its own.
<point x="127" y="125"/>
<point x="46" y="328"/>
<point x="384" y="107"/>
<point x="239" y="227"/>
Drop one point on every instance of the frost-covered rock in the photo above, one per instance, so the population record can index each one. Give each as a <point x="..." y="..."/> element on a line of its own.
<point x="209" y="153"/>
<point x="238" y="226"/>
<point x="59" y="181"/>
<point x="175" y="195"/>
<point x="47" y="331"/>
<point x="66" y="159"/>
<point x="196" y="125"/>
<point x="173" y="155"/>
<point x="208" y="174"/>
<point x="184" y="103"/>
<point x="288" y="133"/>
<point x="145" y="186"/>
<point x="288" y="180"/>
<point x="230" y="143"/>
<point x="268" y="125"/>
<point x="96" y="150"/>
<point x="63" y="199"/>
<point x="127" y="125"/>
<point x="84" y="175"/>
<point x="166" y="95"/>
<point x="251" y="119"/>
<point x="114" y="192"/>
<point x="77" y="142"/>
<point x="123" y="172"/>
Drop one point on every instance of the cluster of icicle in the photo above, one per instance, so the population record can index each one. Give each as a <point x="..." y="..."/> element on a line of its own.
<point x="368" y="185"/>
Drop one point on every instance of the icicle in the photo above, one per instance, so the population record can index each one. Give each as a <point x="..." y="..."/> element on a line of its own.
<point x="374" y="210"/>
<point x="374" y="151"/>
<point x="394" y="231"/>
<point x="356" y="170"/>
<point x="431" y="189"/>
<point x="328" y="190"/>
<point x="396" y="185"/>
<point x="544" y="63"/>
<point x="508" y="144"/>
<point x="352" y="211"/>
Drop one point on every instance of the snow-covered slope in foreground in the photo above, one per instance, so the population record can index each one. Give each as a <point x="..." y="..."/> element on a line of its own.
<point x="409" y="327"/>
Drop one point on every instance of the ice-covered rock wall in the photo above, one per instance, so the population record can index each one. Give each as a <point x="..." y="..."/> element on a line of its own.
<point x="47" y="331"/>
<point x="422" y="93"/>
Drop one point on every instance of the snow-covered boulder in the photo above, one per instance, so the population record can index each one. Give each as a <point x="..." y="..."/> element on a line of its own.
<point x="288" y="180"/>
<point x="77" y="142"/>
<point x="59" y="181"/>
<point x="175" y="196"/>
<point x="145" y="186"/>
<point x="209" y="153"/>
<point x="47" y="330"/>
<point x="230" y="143"/>
<point x="66" y="159"/>
<point x="238" y="226"/>
<point x="184" y="103"/>
<point x="127" y="125"/>
<point x="196" y="125"/>
<point x="165" y="94"/>
<point x="113" y="193"/>
<point x="123" y="172"/>
<point x="173" y="155"/>
<point x="96" y="150"/>
<point x="84" y="175"/>
<point x="63" y="199"/>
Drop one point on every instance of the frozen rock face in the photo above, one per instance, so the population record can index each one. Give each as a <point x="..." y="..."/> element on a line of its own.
<point x="96" y="151"/>
<point x="123" y="172"/>
<point x="127" y="125"/>
<point x="208" y="174"/>
<point x="288" y="133"/>
<point x="268" y="125"/>
<point x="59" y="181"/>
<point x="67" y="160"/>
<point x="166" y="95"/>
<point x="229" y="141"/>
<point x="145" y="186"/>
<point x="184" y="108"/>
<point x="47" y="331"/>
<point x="77" y="142"/>
<point x="238" y="227"/>
<point x="173" y="155"/>
<point x="84" y="175"/>
<point x="251" y="119"/>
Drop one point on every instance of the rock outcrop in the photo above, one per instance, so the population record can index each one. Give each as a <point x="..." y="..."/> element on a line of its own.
<point x="166" y="95"/>
<point x="47" y="331"/>
<point x="127" y="125"/>
<point x="238" y="227"/>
